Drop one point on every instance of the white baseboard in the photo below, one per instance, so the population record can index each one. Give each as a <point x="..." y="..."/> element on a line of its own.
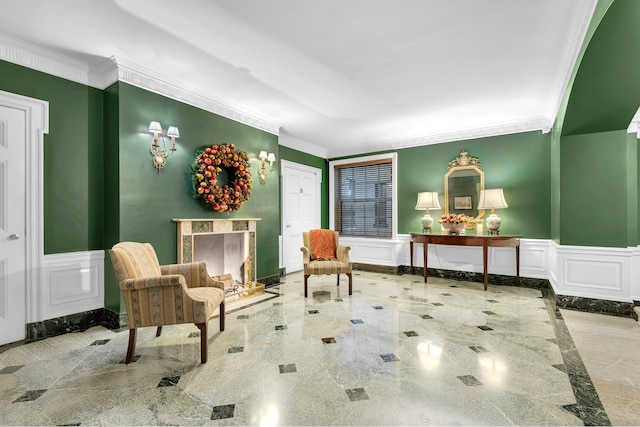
<point x="71" y="283"/>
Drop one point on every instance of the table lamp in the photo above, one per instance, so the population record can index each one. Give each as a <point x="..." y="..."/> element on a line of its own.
<point x="492" y="199"/>
<point x="427" y="200"/>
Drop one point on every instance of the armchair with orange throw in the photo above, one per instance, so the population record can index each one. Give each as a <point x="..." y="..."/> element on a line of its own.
<point x="322" y="254"/>
<point x="156" y="295"/>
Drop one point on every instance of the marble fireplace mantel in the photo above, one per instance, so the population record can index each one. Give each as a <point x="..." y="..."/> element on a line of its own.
<point x="227" y="245"/>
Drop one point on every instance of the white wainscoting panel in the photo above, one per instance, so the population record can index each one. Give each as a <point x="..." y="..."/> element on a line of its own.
<point x="372" y="251"/>
<point x="72" y="283"/>
<point x="595" y="272"/>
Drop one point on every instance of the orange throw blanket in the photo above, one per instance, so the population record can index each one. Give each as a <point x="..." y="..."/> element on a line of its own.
<point x="323" y="245"/>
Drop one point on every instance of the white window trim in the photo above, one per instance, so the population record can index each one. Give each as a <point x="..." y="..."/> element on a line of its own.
<point x="394" y="193"/>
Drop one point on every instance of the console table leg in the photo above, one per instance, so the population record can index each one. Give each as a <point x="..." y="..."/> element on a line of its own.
<point x="518" y="265"/>
<point x="485" y="259"/>
<point x="411" y="256"/>
<point x="425" y="247"/>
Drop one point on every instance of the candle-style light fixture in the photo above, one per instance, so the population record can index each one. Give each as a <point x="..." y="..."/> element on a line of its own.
<point x="161" y="152"/>
<point x="427" y="200"/>
<point x="492" y="199"/>
<point x="262" y="170"/>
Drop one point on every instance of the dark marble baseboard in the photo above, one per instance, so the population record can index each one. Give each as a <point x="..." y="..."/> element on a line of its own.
<point x="372" y="268"/>
<point x="592" y="305"/>
<point x="270" y="280"/>
<point x="494" y="279"/>
<point x="77" y="322"/>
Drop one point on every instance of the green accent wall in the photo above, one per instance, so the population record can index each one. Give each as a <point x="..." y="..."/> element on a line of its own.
<point x="307" y="159"/>
<point x="518" y="163"/>
<point x="606" y="91"/>
<point x="149" y="200"/>
<point x="594" y="185"/>
<point x="73" y="167"/>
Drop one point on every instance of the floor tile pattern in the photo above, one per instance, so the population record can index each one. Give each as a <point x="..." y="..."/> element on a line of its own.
<point x="483" y="358"/>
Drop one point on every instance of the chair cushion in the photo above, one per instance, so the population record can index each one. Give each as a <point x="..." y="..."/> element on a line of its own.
<point x="327" y="267"/>
<point x="211" y="296"/>
<point x="323" y="244"/>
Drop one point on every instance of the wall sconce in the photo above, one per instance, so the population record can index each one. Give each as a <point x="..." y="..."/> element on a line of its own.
<point x="262" y="171"/>
<point x="492" y="199"/>
<point x="427" y="200"/>
<point x="160" y="153"/>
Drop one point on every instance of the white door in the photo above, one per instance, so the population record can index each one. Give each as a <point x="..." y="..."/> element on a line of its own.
<point x="12" y="224"/>
<point x="300" y="209"/>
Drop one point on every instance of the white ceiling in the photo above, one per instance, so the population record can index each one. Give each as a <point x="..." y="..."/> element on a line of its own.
<point x="339" y="76"/>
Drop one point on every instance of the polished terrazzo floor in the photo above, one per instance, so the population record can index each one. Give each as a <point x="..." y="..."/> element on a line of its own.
<point x="396" y="352"/>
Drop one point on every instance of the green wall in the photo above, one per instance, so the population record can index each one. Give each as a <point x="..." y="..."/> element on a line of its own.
<point x="594" y="185"/>
<point x="73" y="167"/>
<point x="606" y="90"/>
<point x="518" y="163"/>
<point x="296" y="156"/>
<point x="597" y="161"/>
<point x="150" y="200"/>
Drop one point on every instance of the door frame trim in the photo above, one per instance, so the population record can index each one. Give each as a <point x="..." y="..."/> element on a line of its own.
<point x="37" y="125"/>
<point x="287" y="164"/>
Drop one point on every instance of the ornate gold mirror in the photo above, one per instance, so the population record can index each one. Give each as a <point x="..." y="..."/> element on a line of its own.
<point x="462" y="185"/>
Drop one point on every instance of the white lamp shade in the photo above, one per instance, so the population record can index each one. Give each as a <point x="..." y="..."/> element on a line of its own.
<point x="155" y="127"/>
<point x="173" y="131"/>
<point x="492" y="199"/>
<point x="271" y="157"/>
<point x="428" y="200"/>
<point x="262" y="155"/>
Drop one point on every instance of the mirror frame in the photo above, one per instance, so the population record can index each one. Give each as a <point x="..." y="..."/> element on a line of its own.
<point x="462" y="162"/>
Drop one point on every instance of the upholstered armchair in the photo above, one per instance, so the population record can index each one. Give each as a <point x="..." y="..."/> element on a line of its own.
<point x="156" y="295"/>
<point x="322" y="254"/>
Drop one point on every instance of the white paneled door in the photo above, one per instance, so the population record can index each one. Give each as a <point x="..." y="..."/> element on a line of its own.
<point x="13" y="144"/>
<point x="300" y="209"/>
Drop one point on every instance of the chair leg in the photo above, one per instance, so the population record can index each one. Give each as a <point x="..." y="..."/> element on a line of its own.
<point x="306" y="277"/>
<point x="203" y="342"/>
<point x="222" y="316"/>
<point x="159" y="331"/>
<point x="338" y="283"/>
<point x="350" y="282"/>
<point x="132" y="346"/>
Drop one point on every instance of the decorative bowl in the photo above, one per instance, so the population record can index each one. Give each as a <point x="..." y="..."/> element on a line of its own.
<point x="453" y="228"/>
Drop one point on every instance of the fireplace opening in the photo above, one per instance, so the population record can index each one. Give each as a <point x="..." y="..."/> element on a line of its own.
<point x="224" y="254"/>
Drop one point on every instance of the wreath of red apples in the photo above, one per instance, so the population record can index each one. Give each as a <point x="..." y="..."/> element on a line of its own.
<point x="209" y="163"/>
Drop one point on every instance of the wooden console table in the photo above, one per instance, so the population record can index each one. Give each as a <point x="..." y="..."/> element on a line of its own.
<point x="510" y="241"/>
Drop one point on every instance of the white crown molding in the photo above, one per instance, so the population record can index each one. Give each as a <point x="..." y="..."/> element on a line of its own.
<point x="114" y="69"/>
<point x="34" y="57"/>
<point x="137" y="75"/>
<point x="574" y="51"/>
<point x="300" y="145"/>
<point x="543" y="124"/>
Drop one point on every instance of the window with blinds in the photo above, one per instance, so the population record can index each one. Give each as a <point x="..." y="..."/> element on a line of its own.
<point x="363" y="199"/>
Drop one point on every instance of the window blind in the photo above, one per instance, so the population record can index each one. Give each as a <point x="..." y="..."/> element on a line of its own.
<point x="363" y="199"/>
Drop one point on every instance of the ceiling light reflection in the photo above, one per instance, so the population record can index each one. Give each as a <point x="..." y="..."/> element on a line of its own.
<point x="494" y="369"/>
<point x="429" y="354"/>
<point x="269" y="416"/>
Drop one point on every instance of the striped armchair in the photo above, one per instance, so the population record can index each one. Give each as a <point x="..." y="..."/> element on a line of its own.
<point x="337" y="263"/>
<point x="156" y="295"/>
